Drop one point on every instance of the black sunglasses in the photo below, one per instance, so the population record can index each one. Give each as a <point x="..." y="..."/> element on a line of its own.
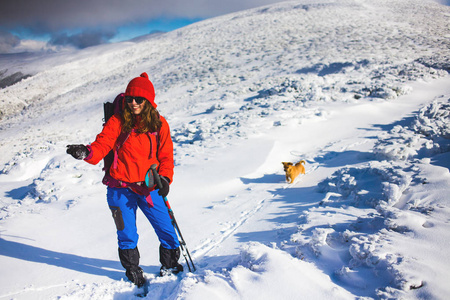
<point x="138" y="100"/>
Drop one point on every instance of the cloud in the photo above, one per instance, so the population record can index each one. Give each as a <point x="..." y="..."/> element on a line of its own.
<point x="82" y="40"/>
<point x="84" y="23"/>
<point x="8" y="41"/>
<point x="35" y="46"/>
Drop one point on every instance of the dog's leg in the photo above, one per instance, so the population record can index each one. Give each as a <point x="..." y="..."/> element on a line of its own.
<point x="287" y="178"/>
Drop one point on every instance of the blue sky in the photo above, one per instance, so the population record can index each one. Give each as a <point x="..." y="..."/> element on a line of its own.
<point x="30" y="25"/>
<point x="159" y="24"/>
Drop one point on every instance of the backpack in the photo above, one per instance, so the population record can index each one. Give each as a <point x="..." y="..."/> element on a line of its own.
<point x="110" y="159"/>
<point x="109" y="109"/>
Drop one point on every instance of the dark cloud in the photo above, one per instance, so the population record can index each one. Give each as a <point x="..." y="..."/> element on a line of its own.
<point x="57" y="15"/>
<point x="98" y="20"/>
<point x="82" y="40"/>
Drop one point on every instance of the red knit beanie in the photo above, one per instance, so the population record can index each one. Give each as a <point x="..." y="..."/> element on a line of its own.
<point x="141" y="87"/>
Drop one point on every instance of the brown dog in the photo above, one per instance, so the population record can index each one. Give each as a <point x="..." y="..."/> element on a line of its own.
<point x="292" y="171"/>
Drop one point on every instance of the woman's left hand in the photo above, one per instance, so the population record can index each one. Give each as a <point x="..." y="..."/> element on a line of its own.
<point x="78" y="151"/>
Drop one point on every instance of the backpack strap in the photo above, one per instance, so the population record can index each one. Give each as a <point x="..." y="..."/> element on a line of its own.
<point x="155" y="134"/>
<point x="156" y="137"/>
<point x="120" y="141"/>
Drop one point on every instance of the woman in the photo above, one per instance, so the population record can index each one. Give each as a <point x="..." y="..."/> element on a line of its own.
<point x="140" y="138"/>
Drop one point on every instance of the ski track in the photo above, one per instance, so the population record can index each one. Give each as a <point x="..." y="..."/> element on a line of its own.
<point x="31" y="289"/>
<point x="227" y="231"/>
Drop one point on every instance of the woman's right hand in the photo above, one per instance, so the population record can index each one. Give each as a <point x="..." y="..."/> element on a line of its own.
<point x="164" y="190"/>
<point x="78" y="151"/>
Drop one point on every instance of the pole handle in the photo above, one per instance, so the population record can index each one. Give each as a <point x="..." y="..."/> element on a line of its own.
<point x="156" y="176"/>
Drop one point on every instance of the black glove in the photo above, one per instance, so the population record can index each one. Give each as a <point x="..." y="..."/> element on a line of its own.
<point x="164" y="191"/>
<point x="78" y="151"/>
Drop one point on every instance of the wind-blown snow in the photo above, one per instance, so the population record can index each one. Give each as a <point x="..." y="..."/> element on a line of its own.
<point x="359" y="89"/>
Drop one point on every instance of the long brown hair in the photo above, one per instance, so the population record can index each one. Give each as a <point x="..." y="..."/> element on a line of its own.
<point x="147" y="120"/>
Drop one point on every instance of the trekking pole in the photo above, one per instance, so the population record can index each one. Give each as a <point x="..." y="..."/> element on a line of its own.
<point x="183" y="247"/>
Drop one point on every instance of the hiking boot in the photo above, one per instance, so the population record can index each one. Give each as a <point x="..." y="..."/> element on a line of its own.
<point x="136" y="277"/>
<point x="129" y="258"/>
<point x="169" y="257"/>
<point x="164" y="271"/>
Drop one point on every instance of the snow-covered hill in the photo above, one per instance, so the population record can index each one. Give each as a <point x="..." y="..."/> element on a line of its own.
<point x="359" y="89"/>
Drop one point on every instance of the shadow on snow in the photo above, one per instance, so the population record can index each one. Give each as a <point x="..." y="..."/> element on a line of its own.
<point x="93" y="266"/>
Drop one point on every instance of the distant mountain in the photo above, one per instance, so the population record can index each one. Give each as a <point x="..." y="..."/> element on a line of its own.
<point x="290" y="39"/>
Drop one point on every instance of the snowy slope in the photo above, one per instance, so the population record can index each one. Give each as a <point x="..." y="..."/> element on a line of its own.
<point x="359" y="89"/>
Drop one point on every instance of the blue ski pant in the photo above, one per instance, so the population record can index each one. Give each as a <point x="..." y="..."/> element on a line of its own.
<point x="124" y="203"/>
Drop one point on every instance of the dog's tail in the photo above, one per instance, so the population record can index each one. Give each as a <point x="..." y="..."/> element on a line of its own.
<point x="301" y="162"/>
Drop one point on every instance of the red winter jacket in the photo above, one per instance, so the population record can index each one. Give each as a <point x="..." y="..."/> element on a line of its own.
<point x="135" y="156"/>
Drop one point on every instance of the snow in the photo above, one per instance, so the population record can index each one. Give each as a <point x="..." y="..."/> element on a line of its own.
<point x="358" y="89"/>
